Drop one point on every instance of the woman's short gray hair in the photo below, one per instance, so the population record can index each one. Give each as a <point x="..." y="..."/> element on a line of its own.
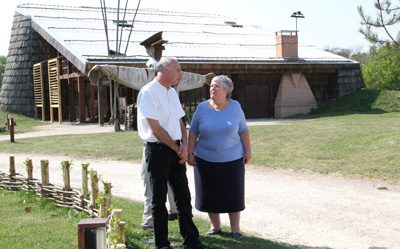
<point x="226" y="82"/>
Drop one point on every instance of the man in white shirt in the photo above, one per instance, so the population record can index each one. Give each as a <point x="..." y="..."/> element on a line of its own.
<point x="161" y="127"/>
<point x="154" y="48"/>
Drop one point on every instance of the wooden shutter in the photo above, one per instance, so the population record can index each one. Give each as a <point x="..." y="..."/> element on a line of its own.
<point x="54" y="88"/>
<point x="38" y="88"/>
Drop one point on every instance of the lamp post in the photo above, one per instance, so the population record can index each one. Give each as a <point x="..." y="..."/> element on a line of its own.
<point x="296" y="15"/>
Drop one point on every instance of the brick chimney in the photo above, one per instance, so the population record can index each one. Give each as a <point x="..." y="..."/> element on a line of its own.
<point x="286" y="43"/>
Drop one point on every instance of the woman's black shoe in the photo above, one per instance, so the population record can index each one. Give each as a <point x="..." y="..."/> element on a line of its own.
<point x="237" y="236"/>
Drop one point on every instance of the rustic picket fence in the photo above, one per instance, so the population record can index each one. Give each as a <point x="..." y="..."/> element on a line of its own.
<point x="95" y="203"/>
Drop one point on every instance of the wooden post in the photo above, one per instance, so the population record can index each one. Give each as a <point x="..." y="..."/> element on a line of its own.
<point x="12" y="166"/>
<point x="118" y="214"/>
<point x="71" y="100"/>
<point x="10" y="126"/>
<point x="122" y="238"/>
<point x="100" y="103"/>
<point x="82" y="100"/>
<point x="92" y="104"/>
<point x="29" y="172"/>
<point x="117" y="108"/>
<point x="66" y="165"/>
<point x="85" y="190"/>
<point x="95" y="188"/>
<point x="112" y="116"/>
<point x="12" y="171"/>
<point x="105" y="207"/>
<point x="12" y="130"/>
<point x="107" y="189"/>
<point x="44" y="165"/>
<point x="29" y="169"/>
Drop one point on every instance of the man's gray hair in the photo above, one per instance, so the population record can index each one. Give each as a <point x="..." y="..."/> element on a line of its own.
<point x="226" y="82"/>
<point x="164" y="61"/>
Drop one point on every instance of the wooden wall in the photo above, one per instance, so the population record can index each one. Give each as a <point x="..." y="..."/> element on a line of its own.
<point x="327" y="81"/>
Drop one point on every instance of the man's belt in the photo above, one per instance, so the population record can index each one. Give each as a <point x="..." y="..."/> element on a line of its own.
<point x="158" y="142"/>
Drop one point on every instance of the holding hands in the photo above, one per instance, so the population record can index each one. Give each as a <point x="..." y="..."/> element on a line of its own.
<point x="182" y="153"/>
<point x="190" y="160"/>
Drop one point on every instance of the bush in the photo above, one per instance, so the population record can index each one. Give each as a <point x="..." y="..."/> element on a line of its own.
<point x="382" y="71"/>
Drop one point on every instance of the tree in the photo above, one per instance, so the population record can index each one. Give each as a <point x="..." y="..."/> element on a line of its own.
<point x="387" y="17"/>
<point x="382" y="71"/>
<point x="345" y="52"/>
<point x="3" y="60"/>
<point x="354" y="53"/>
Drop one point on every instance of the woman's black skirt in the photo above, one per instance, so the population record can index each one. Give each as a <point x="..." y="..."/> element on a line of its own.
<point x="219" y="186"/>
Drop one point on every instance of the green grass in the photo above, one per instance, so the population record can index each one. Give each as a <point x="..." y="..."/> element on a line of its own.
<point x="114" y="146"/>
<point x="47" y="226"/>
<point x="365" y="145"/>
<point x="355" y="136"/>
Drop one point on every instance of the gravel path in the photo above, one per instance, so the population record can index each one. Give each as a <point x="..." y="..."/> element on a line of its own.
<point x="300" y="209"/>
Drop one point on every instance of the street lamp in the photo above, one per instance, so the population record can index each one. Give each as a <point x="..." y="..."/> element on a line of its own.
<point x="296" y="15"/>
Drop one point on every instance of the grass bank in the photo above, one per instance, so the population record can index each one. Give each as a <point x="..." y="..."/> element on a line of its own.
<point x="23" y="123"/>
<point x="355" y="145"/>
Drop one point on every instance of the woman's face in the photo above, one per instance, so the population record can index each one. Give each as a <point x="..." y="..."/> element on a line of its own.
<point x="217" y="91"/>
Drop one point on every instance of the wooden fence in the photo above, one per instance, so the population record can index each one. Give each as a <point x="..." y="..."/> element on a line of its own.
<point x="95" y="203"/>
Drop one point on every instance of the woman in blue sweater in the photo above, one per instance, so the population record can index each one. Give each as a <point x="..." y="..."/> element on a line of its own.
<point x="219" y="147"/>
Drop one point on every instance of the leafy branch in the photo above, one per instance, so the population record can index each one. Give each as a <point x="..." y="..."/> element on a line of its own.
<point x="387" y="15"/>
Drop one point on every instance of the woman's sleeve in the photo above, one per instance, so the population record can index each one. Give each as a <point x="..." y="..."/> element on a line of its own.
<point x="242" y="120"/>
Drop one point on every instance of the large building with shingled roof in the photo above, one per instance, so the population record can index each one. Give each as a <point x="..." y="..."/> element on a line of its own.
<point x="52" y="48"/>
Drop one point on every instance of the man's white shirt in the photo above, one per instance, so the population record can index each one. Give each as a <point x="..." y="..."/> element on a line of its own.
<point x="157" y="102"/>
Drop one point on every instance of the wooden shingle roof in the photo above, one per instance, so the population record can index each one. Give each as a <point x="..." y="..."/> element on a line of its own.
<point x="78" y="33"/>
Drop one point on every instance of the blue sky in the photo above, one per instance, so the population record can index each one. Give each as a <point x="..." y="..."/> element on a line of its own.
<point x="326" y="23"/>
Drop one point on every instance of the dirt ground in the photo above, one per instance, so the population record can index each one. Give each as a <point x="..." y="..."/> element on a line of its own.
<point x="295" y="208"/>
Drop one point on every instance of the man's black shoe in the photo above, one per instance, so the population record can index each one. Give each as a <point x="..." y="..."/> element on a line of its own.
<point x="197" y="246"/>
<point x="150" y="229"/>
<point x="213" y="231"/>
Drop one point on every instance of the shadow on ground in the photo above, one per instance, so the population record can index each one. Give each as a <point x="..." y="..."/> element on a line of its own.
<point x="145" y="239"/>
